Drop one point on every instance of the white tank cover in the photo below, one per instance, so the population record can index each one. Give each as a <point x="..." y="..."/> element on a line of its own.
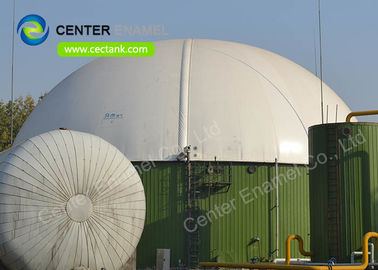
<point x="69" y="200"/>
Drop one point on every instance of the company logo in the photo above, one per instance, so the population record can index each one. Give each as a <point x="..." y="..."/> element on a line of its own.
<point x="33" y="29"/>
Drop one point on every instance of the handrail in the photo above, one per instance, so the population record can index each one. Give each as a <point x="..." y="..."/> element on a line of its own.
<point x="301" y="250"/>
<point x="361" y="113"/>
<point x="363" y="266"/>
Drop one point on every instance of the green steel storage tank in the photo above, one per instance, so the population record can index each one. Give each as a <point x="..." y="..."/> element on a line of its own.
<point x="235" y="223"/>
<point x="343" y="188"/>
<point x="240" y="108"/>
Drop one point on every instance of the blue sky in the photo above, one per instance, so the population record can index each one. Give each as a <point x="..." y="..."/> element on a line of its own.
<point x="287" y="27"/>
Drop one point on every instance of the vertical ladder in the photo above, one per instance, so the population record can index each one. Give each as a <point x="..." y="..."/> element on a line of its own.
<point x="194" y="236"/>
<point x="203" y="180"/>
<point x="193" y="211"/>
<point x="333" y="193"/>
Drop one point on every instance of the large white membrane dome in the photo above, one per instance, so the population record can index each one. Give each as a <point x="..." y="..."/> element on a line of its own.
<point x="227" y="100"/>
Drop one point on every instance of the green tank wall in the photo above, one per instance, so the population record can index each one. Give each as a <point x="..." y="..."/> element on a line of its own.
<point x="226" y="237"/>
<point x="344" y="189"/>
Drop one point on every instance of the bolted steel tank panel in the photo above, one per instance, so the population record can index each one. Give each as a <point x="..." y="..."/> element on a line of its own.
<point x="229" y="219"/>
<point x="343" y="187"/>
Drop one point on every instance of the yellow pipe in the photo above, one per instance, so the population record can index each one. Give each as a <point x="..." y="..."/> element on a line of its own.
<point x="363" y="266"/>
<point x="258" y="266"/>
<point x="361" y="113"/>
<point x="301" y="250"/>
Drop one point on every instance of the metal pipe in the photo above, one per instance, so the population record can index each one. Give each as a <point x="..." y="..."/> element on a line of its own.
<point x="371" y="253"/>
<point x="363" y="266"/>
<point x="301" y="250"/>
<point x="361" y="113"/>
<point x="355" y="253"/>
<point x="321" y="63"/>
<point x="304" y="266"/>
<point x="336" y="264"/>
<point x="189" y="206"/>
<point x="327" y="115"/>
<point x="254" y="265"/>
<point x="277" y="211"/>
<point x="12" y="75"/>
<point x="295" y="260"/>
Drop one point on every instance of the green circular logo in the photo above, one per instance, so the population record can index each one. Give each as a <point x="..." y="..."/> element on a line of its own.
<point x="33" y="29"/>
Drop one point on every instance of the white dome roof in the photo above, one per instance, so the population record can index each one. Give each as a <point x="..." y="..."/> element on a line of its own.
<point x="229" y="100"/>
<point x="69" y="199"/>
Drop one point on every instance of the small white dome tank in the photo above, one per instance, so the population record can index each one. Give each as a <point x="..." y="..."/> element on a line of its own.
<point x="68" y="200"/>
